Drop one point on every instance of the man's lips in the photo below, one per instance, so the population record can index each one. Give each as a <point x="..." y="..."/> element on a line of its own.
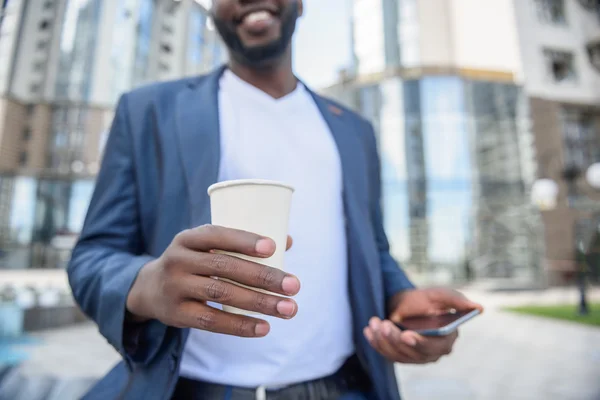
<point x="257" y="21"/>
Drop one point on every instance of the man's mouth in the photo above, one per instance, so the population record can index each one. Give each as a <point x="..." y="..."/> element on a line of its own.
<point x="257" y="21"/>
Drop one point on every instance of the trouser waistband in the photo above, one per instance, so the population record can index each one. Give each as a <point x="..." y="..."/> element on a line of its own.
<point x="351" y="377"/>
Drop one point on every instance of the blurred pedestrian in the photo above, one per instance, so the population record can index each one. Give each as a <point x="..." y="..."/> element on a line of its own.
<point x="144" y="264"/>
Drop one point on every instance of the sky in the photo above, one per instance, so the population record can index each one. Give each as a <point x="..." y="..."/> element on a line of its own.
<point x="322" y="44"/>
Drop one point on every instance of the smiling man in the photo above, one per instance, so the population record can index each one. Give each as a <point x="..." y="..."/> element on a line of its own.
<point x="143" y="268"/>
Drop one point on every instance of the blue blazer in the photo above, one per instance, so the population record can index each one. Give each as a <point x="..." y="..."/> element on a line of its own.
<point x="161" y="156"/>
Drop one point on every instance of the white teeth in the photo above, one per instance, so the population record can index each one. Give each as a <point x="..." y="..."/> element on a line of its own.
<point x="257" y="16"/>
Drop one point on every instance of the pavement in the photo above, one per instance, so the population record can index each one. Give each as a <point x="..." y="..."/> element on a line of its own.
<point x="498" y="356"/>
<point x="501" y="356"/>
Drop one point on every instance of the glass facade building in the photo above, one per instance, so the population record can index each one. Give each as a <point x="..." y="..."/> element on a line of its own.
<point x="102" y="50"/>
<point x="123" y="49"/>
<point x="453" y="195"/>
<point x="143" y="42"/>
<point x="77" y="49"/>
<point x="35" y="215"/>
<point x="204" y="47"/>
<point x="375" y="35"/>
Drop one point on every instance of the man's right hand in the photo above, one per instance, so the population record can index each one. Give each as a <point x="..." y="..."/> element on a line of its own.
<point x="176" y="287"/>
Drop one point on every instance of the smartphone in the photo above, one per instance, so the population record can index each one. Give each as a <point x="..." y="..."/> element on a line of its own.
<point x="437" y="325"/>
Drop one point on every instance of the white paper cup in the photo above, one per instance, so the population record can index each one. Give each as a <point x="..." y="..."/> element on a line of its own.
<point x="257" y="206"/>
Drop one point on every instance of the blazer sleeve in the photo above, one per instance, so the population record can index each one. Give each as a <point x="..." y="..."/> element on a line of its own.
<point x="394" y="278"/>
<point x="110" y="251"/>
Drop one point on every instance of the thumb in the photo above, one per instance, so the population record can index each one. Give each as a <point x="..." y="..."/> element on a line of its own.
<point x="459" y="301"/>
<point x="395" y="316"/>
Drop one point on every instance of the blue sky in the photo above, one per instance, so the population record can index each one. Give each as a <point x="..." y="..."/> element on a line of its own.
<point x="322" y="42"/>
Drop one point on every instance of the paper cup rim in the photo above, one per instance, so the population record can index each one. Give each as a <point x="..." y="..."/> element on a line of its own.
<point x="246" y="182"/>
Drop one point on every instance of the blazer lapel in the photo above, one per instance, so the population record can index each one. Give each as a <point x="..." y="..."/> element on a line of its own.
<point x="197" y="132"/>
<point x="347" y="142"/>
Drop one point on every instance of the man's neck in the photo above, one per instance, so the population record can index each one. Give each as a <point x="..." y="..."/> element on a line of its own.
<point x="277" y="80"/>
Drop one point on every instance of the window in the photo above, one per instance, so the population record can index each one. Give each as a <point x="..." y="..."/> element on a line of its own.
<point x="48" y="5"/>
<point x="23" y="158"/>
<point x="551" y="11"/>
<point x="44" y="25"/>
<point x="34" y="88"/>
<point x="41" y="45"/>
<point x="165" y="47"/>
<point x="167" y="29"/>
<point x="39" y="66"/>
<point x="594" y="54"/>
<point x="26" y="134"/>
<point x="560" y="66"/>
<point x="30" y="110"/>
<point x="582" y="145"/>
<point x="163" y="67"/>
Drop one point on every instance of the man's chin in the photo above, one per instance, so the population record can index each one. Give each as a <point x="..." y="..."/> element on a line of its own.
<point x="264" y="54"/>
<point x="259" y="44"/>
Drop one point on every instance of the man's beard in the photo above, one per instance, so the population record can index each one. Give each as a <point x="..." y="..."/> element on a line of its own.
<point x="259" y="56"/>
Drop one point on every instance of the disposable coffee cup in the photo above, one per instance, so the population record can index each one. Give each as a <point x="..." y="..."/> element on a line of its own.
<point x="258" y="206"/>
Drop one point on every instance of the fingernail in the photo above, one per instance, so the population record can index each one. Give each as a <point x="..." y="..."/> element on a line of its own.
<point x="286" y="308"/>
<point x="368" y="334"/>
<point x="265" y="247"/>
<point x="386" y="329"/>
<point x="410" y="340"/>
<point x="290" y="285"/>
<point x="374" y="324"/>
<point x="261" y="329"/>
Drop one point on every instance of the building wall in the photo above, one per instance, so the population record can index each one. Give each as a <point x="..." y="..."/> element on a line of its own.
<point x="461" y="34"/>
<point x="23" y="136"/>
<point x="514" y="108"/>
<point x="453" y="175"/>
<point x="93" y="51"/>
<point x="36" y="147"/>
<point x="436" y="41"/>
<point x="34" y="49"/>
<point x="53" y="60"/>
<point x="369" y="35"/>
<point x="484" y="34"/>
<point x="9" y="39"/>
<point x="547" y="118"/>
<point x="51" y="138"/>
<point x="12" y="116"/>
<point x="112" y="56"/>
<point x="581" y="26"/>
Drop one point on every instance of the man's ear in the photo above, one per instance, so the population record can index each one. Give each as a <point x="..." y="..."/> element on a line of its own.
<point x="300" y="8"/>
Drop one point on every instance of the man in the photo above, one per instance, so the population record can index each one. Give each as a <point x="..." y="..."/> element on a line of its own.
<point x="143" y="269"/>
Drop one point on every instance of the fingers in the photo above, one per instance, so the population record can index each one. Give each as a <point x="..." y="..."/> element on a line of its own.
<point x="235" y="269"/>
<point x="218" y="291"/>
<point x="448" y="298"/>
<point x="378" y="335"/>
<point x="290" y="243"/>
<point x="211" y="237"/>
<point x="200" y="316"/>
<point x="436" y="346"/>
<point x="406" y="346"/>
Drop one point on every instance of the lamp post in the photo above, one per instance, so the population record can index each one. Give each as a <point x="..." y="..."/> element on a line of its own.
<point x="544" y="195"/>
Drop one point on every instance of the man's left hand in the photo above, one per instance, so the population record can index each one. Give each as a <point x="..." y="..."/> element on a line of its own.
<point x="407" y="346"/>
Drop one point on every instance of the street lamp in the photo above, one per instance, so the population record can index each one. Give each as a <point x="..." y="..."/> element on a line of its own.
<point x="544" y="195"/>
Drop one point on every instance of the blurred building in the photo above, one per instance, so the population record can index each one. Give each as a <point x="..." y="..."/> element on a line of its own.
<point x="560" y="50"/>
<point x="63" y="65"/>
<point x="469" y="98"/>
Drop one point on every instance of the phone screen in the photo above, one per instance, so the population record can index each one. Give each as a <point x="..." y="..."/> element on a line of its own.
<point x="431" y="322"/>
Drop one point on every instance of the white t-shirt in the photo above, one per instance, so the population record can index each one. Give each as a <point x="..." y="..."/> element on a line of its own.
<point x="285" y="140"/>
